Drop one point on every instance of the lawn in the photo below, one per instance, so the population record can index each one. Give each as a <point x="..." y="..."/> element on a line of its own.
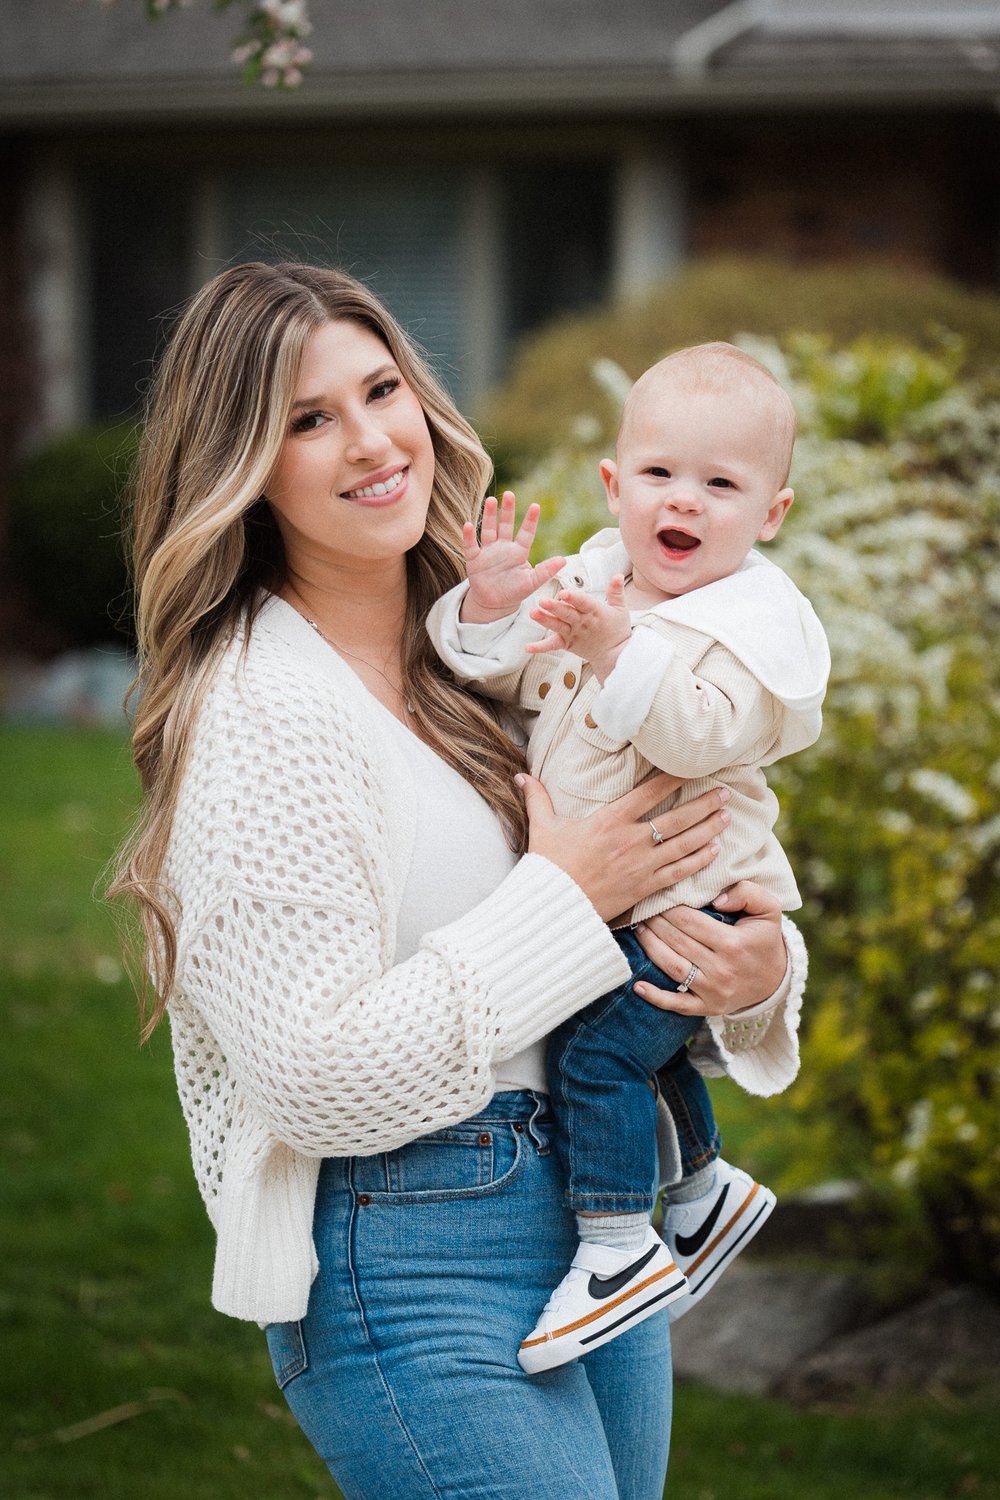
<point x="119" y="1381"/>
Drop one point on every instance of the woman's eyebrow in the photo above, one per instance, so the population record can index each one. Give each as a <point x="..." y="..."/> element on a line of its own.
<point x="322" y="399"/>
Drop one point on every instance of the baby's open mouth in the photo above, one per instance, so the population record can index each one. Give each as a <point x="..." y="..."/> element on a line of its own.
<point x="679" y="541"/>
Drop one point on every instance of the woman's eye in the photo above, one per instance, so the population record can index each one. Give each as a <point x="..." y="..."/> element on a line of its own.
<point x="308" y="422"/>
<point x="385" y="388"/>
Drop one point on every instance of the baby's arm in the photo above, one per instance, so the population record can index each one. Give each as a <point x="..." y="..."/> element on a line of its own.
<point x="595" y="630"/>
<point x="691" y="720"/>
<point x="500" y="575"/>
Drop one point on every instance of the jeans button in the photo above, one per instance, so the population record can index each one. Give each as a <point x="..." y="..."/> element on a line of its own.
<point x="363" y="1200"/>
<point x="485" y="1139"/>
<point x="519" y="1128"/>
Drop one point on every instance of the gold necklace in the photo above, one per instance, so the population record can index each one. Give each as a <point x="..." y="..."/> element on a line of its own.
<point x="410" y="709"/>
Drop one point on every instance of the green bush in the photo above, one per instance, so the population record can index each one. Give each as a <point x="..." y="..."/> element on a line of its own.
<point x="549" y="389"/>
<point x="892" y="821"/>
<point x="65" y="533"/>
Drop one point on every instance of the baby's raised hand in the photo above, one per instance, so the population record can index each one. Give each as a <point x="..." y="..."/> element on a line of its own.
<point x="594" y="629"/>
<point x="500" y="575"/>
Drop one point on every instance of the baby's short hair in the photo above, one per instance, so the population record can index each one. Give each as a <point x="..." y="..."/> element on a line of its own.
<point x="720" y="367"/>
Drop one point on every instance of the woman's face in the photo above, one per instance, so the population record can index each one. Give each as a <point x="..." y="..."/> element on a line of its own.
<point x="353" y="481"/>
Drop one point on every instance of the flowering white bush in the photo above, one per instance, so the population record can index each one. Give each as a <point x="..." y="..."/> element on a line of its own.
<point x="892" y="821"/>
<point x="270" y="43"/>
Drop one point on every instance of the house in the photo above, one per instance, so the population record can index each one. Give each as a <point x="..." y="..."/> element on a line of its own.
<point x="484" y="163"/>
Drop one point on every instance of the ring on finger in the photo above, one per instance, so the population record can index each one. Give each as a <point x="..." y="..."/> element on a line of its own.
<point x="689" y="979"/>
<point x="657" y="835"/>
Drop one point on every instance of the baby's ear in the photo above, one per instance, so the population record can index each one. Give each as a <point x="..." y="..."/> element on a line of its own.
<point x="609" y="473"/>
<point x="775" y="515"/>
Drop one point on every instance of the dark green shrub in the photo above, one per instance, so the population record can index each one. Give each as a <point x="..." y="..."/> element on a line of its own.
<point x="550" y="383"/>
<point x="65" y="542"/>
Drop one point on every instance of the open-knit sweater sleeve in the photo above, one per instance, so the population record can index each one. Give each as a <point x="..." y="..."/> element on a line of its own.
<point x="285" y="863"/>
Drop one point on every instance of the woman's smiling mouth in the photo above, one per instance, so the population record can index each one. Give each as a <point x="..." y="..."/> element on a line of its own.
<point x="381" y="491"/>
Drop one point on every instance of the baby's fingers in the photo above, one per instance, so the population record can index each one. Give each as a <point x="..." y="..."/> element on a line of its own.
<point x="616" y="592"/>
<point x="528" y="527"/>
<point x="547" y="569"/>
<point x="548" y="643"/>
<point x="552" y="611"/>
<point x="488" y="522"/>
<point x="505" y="526"/>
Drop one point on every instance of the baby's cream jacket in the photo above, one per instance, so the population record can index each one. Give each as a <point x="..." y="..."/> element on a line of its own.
<point x="712" y="686"/>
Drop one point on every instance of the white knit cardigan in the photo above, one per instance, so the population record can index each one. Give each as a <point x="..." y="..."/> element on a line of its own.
<point x="295" y="1036"/>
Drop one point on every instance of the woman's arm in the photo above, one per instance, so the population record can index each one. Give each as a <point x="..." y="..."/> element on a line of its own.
<point x="749" y="985"/>
<point x="285" y="866"/>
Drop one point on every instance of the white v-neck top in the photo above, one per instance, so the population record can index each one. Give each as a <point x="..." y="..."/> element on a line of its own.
<point x="460" y="857"/>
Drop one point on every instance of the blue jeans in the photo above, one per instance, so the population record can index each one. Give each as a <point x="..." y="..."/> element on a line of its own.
<point x="435" y="1261"/>
<point x="601" y="1064"/>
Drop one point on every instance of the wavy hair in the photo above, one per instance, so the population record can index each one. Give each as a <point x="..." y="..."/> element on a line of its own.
<point x="204" y="546"/>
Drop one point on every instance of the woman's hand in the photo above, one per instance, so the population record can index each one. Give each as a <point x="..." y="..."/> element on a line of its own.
<point x="736" y="966"/>
<point x="612" y="854"/>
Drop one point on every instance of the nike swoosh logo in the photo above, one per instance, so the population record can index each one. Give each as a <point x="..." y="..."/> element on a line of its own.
<point x="599" y="1288"/>
<point x="690" y="1244"/>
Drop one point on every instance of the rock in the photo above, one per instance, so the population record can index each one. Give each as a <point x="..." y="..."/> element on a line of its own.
<point x="761" y="1320"/>
<point x="949" y="1341"/>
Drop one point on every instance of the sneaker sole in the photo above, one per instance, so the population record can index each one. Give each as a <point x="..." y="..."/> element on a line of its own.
<point x="705" y="1270"/>
<point x="605" y="1323"/>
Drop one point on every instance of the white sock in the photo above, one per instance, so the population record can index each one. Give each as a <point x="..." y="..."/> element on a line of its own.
<point x="696" y="1185"/>
<point x="616" y="1231"/>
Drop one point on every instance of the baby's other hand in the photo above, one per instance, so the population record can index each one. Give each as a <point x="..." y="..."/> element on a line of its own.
<point x="594" y="629"/>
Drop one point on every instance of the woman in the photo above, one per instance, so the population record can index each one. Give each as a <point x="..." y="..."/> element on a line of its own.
<point x="360" y="969"/>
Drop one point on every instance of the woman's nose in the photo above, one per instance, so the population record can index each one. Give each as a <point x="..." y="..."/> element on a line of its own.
<point x="366" y="440"/>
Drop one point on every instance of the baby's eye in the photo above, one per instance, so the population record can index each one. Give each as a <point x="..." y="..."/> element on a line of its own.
<point x="310" y="421"/>
<point x="722" y="484"/>
<point x="658" y="472"/>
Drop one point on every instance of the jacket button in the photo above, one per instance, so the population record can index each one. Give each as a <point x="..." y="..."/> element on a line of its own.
<point x="570" y="679"/>
<point x="485" y="1139"/>
<point x="590" y="723"/>
<point x="363" y="1200"/>
<point x="543" y="690"/>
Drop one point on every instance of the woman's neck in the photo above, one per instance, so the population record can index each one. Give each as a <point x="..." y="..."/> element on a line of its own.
<point x="362" y="619"/>
<point x="363" y="611"/>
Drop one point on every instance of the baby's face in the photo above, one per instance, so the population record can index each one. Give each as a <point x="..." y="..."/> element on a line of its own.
<point x="697" y="481"/>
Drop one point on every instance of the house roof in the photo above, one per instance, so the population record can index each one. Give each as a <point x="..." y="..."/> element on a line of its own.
<point x="74" y="60"/>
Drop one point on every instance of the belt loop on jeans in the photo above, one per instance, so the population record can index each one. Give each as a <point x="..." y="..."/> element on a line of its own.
<point x="541" y="1107"/>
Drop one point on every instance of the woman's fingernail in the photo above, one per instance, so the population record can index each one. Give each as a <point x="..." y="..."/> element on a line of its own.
<point x="640" y="927"/>
<point x="640" y="990"/>
<point x="725" y="816"/>
<point x="519" y="779"/>
<point x="724" y="793"/>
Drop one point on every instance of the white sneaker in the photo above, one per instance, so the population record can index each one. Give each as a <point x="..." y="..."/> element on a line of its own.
<point x="707" y="1234"/>
<point x="604" y="1293"/>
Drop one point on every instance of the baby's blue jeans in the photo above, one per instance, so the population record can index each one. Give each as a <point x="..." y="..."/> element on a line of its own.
<point x="435" y="1262"/>
<point x="601" y="1065"/>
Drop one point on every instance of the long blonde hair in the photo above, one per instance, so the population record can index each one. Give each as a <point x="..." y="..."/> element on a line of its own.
<point x="204" y="546"/>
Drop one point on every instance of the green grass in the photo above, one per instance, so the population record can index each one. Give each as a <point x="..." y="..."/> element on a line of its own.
<point x="106" y="1250"/>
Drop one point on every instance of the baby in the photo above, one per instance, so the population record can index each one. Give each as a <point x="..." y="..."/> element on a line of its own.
<point x="667" y="644"/>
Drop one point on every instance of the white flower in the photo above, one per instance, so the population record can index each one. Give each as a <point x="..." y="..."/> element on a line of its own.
<point x="945" y="791"/>
<point x="612" y="380"/>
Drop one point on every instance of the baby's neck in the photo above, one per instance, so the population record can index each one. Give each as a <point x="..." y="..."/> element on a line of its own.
<point x="642" y="598"/>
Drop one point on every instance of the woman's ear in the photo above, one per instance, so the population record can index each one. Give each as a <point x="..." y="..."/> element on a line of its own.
<point x="609" y="473"/>
<point x="775" y="515"/>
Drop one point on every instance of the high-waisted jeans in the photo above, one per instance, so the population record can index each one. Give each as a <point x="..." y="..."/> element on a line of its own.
<point x="435" y="1261"/>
